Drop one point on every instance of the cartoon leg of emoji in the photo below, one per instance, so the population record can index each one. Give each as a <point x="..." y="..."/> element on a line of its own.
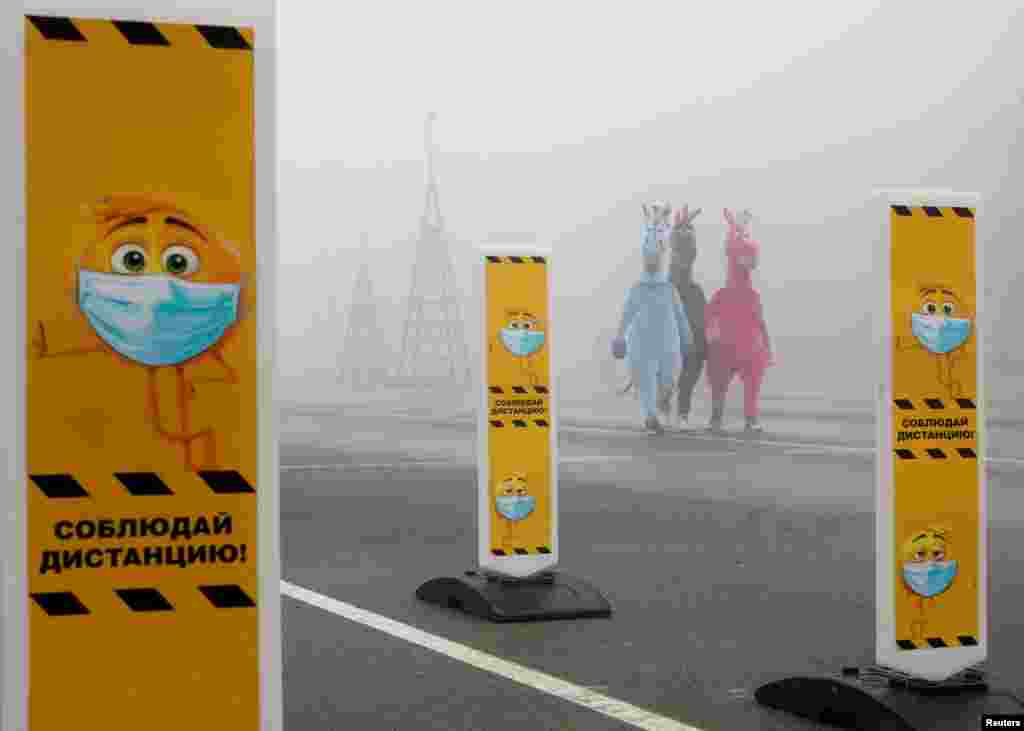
<point x="919" y="625"/>
<point x="230" y="374"/>
<point x="947" y="366"/>
<point x="183" y="436"/>
<point x="504" y="531"/>
<point x="530" y="370"/>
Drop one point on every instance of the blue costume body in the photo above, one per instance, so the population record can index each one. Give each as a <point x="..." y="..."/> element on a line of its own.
<point x="657" y="332"/>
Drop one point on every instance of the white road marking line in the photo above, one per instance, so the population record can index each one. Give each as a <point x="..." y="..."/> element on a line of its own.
<point x="818" y="448"/>
<point x="762" y="442"/>
<point x="342" y="466"/>
<point x="535" y="679"/>
<point x="599" y="458"/>
<point x="584" y="459"/>
<point x="696" y="434"/>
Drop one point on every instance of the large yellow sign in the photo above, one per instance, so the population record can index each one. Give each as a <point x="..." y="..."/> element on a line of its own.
<point x="934" y="436"/>
<point x="141" y="376"/>
<point x="519" y="451"/>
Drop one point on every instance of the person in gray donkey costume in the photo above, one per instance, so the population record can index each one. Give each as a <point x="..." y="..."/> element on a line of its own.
<point x="683" y="248"/>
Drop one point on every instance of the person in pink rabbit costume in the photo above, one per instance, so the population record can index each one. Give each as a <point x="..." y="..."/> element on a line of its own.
<point x="737" y="335"/>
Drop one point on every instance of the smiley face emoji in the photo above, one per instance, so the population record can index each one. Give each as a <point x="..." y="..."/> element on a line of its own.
<point x="927" y="569"/>
<point x="513" y="500"/>
<point x="154" y="284"/>
<point x="522" y="334"/>
<point x="940" y="323"/>
<point x="157" y="290"/>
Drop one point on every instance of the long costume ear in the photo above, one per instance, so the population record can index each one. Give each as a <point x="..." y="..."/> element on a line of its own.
<point x="643" y="207"/>
<point x="694" y="215"/>
<point x="728" y="216"/>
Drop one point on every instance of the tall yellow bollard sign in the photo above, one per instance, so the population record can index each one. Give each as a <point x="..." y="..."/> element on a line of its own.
<point x="931" y="509"/>
<point x="147" y="480"/>
<point x="517" y="465"/>
<point x="517" y="455"/>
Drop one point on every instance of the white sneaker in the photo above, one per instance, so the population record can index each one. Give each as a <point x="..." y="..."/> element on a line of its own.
<point x="653" y="426"/>
<point x="665" y="406"/>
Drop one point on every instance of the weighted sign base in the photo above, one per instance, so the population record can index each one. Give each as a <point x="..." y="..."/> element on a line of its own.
<point x="852" y="701"/>
<point x="549" y="595"/>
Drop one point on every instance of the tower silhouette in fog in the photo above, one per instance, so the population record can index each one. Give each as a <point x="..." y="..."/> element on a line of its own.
<point x="363" y="360"/>
<point x="434" y="353"/>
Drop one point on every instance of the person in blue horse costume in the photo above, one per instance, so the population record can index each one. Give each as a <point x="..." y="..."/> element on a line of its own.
<point x="654" y="334"/>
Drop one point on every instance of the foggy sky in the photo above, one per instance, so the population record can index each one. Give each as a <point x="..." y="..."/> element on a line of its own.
<point x="561" y="119"/>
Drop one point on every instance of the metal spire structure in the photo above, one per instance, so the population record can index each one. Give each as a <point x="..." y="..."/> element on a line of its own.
<point x="434" y="352"/>
<point x="362" y="358"/>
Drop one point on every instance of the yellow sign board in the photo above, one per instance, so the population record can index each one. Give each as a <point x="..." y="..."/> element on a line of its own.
<point x="518" y="462"/>
<point x="141" y="435"/>
<point x="934" y="507"/>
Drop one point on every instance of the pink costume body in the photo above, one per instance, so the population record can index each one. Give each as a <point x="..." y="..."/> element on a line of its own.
<point x="734" y="322"/>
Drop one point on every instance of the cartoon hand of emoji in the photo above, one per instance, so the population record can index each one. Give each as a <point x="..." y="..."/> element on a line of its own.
<point x="39" y="347"/>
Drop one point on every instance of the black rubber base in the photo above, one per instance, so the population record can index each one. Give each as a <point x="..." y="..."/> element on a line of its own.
<point x="847" y="702"/>
<point x="550" y="595"/>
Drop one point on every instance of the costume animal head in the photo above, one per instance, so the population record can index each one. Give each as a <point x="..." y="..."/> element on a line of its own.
<point x="656" y="231"/>
<point x="741" y="249"/>
<point x="684" y="240"/>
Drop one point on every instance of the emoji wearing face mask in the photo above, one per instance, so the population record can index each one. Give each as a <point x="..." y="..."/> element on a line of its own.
<point x="523" y="337"/>
<point x="514" y="503"/>
<point x="940" y="327"/>
<point x="159" y="291"/>
<point x="927" y="570"/>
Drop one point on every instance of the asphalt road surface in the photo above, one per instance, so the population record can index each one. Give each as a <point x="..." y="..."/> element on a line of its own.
<point x="728" y="564"/>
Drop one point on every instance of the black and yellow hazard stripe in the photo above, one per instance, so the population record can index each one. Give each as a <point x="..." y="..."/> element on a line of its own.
<point x="516" y="259"/>
<point x="226" y="482"/>
<point x="933" y="211"/>
<point x="540" y="550"/>
<point x="937" y="642"/>
<point x="139" y="33"/>
<point x="934" y="404"/>
<point x="520" y="423"/>
<point x="935" y="453"/>
<point x="543" y="390"/>
<point x="221" y="482"/>
<point x="147" y="599"/>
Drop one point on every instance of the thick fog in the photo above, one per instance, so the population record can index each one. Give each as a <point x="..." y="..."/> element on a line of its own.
<point x="556" y="121"/>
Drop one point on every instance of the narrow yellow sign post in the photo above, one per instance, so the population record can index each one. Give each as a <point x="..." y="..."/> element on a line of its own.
<point x="147" y="493"/>
<point x="930" y="515"/>
<point x="517" y="459"/>
<point x="930" y="511"/>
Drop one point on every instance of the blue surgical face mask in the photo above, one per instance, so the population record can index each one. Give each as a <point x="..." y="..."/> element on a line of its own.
<point x="940" y="334"/>
<point x="515" y="507"/>
<point x="929" y="578"/>
<point x="521" y="341"/>
<point x="157" y="320"/>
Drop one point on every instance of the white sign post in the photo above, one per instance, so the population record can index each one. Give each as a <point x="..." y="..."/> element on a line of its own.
<point x="140" y="544"/>
<point x="931" y="510"/>
<point x="517" y="457"/>
<point x="931" y="518"/>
